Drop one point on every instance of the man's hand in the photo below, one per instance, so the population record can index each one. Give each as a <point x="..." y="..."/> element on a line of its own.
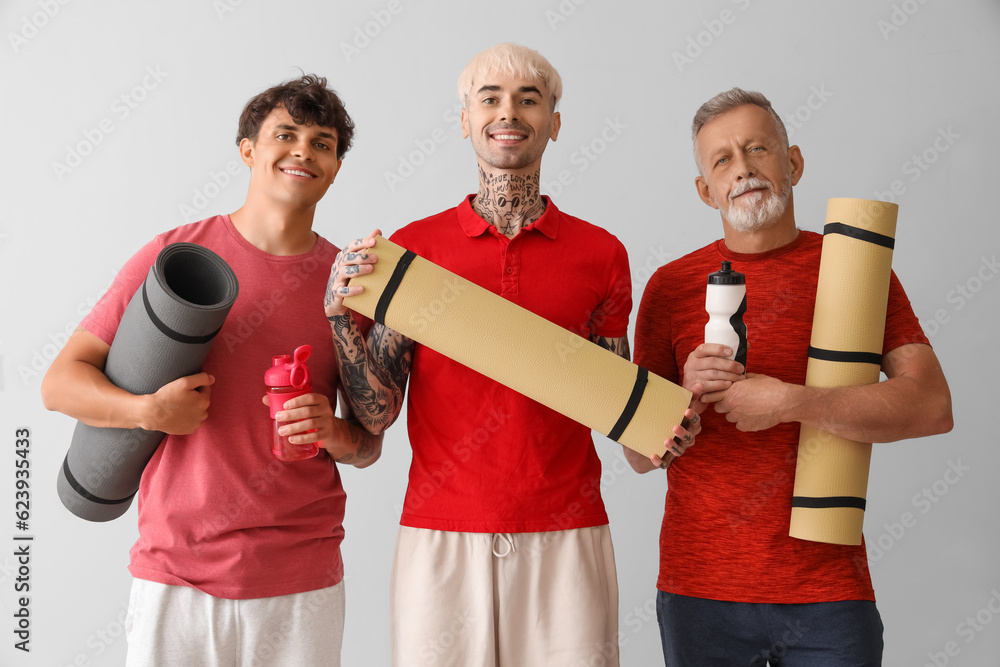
<point x="708" y="366"/>
<point x="179" y="407"/>
<point x="307" y="412"/>
<point x="351" y="261"/>
<point x="753" y="404"/>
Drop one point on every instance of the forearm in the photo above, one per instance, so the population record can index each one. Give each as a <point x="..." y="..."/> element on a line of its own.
<point x="374" y="392"/>
<point x="353" y="445"/>
<point x="896" y="409"/>
<point x="75" y="385"/>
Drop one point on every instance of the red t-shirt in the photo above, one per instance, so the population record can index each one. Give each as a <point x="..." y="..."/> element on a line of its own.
<point x="217" y="511"/>
<point x="728" y="505"/>
<point x="485" y="458"/>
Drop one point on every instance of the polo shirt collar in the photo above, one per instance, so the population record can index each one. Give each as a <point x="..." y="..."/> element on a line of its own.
<point x="474" y="226"/>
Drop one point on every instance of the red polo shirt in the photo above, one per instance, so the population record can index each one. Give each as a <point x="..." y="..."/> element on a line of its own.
<point x="485" y="458"/>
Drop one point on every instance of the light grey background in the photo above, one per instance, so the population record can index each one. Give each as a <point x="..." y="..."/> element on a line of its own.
<point x="869" y="87"/>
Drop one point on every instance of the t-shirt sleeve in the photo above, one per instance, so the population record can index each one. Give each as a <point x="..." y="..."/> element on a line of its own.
<point x="654" y="349"/>
<point x="610" y="318"/>
<point x="103" y="320"/>
<point x="901" y="324"/>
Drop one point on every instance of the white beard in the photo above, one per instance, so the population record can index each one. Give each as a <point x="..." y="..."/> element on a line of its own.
<point x="763" y="211"/>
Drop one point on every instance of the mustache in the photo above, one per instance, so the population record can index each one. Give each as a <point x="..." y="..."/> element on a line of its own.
<point x="752" y="183"/>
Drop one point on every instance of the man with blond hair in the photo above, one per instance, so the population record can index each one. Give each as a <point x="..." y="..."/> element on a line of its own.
<point x="734" y="588"/>
<point x="504" y="555"/>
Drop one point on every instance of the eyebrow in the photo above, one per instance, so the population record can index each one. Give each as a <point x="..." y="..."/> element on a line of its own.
<point x="296" y="128"/>
<point x="496" y="89"/>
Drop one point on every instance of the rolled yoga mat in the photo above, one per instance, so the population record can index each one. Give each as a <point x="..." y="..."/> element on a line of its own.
<point x="541" y="360"/>
<point x="831" y="474"/>
<point x="165" y="333"/>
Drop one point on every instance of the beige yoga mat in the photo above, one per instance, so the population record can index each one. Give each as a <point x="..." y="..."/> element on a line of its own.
<point x="831" y="475"/>
<point x="537" y="358"/>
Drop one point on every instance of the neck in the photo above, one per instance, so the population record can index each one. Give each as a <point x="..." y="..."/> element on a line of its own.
<point x="509" y="200"/>
<point x="776" y="235"/>
<point x="275" y="229"/>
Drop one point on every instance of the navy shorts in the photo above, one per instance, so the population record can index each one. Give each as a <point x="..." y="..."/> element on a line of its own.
<point x="709" y="633"/>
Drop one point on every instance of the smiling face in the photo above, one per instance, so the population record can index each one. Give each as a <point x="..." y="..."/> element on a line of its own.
<point x="748" y="173"/>
<point x="290" y="163"/>
<point x="510" y="120"/>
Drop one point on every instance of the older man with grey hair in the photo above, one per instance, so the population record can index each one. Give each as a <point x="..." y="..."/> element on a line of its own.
<point x="734" y="588"/>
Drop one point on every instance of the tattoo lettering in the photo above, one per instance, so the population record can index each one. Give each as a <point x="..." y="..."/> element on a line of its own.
<point x="510" y="202"/>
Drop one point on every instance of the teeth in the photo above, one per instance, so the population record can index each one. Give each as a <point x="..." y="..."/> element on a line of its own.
<point x="508" y="137"/>
<point x="296" y="172"/>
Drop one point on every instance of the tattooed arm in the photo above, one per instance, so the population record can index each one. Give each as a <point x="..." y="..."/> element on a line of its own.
<point x="343" y="438"/>
<point x="373" y="372"/>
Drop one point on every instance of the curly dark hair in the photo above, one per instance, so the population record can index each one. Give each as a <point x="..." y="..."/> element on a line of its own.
<point x="308" y="101"/>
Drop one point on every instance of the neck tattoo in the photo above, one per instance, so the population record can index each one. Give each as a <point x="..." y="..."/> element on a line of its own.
<point x="509" y="202"/>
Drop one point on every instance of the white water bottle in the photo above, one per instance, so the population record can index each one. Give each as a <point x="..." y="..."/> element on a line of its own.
<point x="726" y="302"/>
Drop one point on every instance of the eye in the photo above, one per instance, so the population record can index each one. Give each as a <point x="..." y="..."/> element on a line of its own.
<point x="722" y="160"/>
<point x="283" y="136"/>
<point x="756" y="149"/>
<point x="489" y="100"/>
<point x="529" y="102"/>
<point x="320" y="144"/>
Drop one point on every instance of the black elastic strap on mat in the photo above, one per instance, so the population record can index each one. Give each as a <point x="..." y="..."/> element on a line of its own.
<point x="846" y="357"/>
<point x="860" y="234"/>
<point x="167" y="331"/>
<point x="828" y="502"/>
<point x="641" y="377"/>
<point x="390" y="287"/>
<point x="84" y="493"/>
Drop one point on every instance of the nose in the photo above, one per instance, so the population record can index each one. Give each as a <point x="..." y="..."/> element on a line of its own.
<point x="303" y="148"/>
<point x="743" y="168"/>
<point x="508" y="110"/>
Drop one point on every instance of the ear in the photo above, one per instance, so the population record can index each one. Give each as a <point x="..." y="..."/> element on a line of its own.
<point x="556" y="124"/>
<point x="795" y="163"/>
<point x="706" y="196"/>
<point x="465" y="123"/>
<point x="246" y="151"/>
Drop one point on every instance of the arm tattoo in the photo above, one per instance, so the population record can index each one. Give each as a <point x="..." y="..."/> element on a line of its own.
<point x="617" y="345"/>
<point x="374" y="373"/>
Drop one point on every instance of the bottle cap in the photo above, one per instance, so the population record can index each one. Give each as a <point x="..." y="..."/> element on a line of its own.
<point x="727" y="276"/>
<point x="289" y="370"/>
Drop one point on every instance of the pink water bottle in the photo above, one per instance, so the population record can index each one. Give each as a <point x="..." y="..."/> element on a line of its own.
<point x="287" y="378"/>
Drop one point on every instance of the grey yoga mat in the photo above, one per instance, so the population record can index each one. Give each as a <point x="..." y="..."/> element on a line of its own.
<point x="165" y="333"/>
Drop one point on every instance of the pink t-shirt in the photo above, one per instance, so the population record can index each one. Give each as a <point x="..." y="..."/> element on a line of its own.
<point x="485" y="458"/>
<point x="217" y="511"/>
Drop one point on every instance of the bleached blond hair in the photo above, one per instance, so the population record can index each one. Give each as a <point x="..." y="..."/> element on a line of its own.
<point x="512" y="60"/>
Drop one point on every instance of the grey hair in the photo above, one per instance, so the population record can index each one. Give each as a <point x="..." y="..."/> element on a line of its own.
<point x="727" y="101"/>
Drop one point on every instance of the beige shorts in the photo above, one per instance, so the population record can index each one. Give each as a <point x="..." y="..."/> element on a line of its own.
<point x="177" y="625"/>
<point x="504" y="600"/>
